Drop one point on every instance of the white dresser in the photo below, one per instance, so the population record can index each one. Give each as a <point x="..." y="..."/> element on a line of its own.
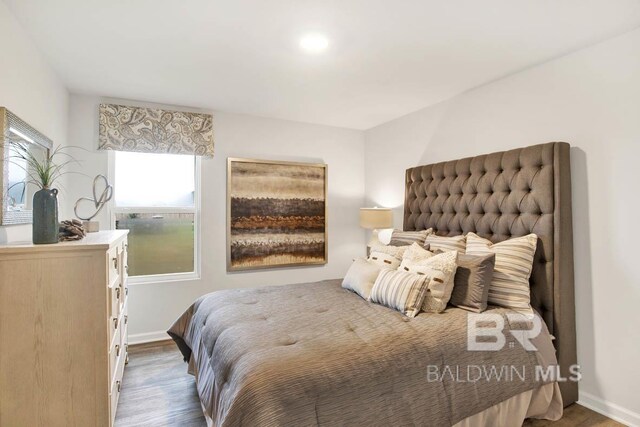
<point x="63" y="331"/>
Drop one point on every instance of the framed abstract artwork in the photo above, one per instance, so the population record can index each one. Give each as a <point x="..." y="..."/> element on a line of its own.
<point x="276" y="214"/>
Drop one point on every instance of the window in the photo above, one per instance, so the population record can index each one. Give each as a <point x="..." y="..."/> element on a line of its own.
<point x="156" y="199"/>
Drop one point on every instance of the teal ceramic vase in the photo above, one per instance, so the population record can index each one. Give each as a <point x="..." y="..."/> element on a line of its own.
<point x="45" y="216"/>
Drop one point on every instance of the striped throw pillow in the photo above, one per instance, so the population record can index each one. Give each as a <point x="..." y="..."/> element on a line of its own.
<point x="445" y="244"/>
<point x="405" y="238"/>
<point x="400" y="291"/>
<point x="514" y="262"/>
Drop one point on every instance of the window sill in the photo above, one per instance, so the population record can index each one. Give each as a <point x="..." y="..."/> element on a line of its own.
<point x="163" y="278"/>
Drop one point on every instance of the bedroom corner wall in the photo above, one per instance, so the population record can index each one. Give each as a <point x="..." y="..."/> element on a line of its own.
<point x="154" y="307"/>
<point x="591" y="99"/>
<point x="31" y="89"/>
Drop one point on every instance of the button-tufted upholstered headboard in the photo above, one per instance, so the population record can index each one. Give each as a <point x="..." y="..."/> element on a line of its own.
<point x="503" y="195"/>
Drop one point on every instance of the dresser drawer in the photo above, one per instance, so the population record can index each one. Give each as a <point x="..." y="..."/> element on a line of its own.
<point x="125" y="259"/>
<point x="115" y="351"/>
<point x="116" y="386"/>
<point x="116" y="298"/>
<point x="124" y="295"/>
<point x="114" y="329"/>
<point x="114" y="265"/>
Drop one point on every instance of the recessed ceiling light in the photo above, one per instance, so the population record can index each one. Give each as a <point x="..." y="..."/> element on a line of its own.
<point x="314" y="43"/>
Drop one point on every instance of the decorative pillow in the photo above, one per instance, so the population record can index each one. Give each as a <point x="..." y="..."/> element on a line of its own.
<point x="472" y="281"/>
<point x="396" y="251"/>
<point x="514" y="262"/>
<point x="384" y="260"/>
<point x="455" y="243"/>
<point x="441" y="268"/>
<point x="387" y="256"/>
<point x="415" y="254"/>
<point x="401" y="291"/>
<point x="405" y="238"/>
<point x="361" y="276"/>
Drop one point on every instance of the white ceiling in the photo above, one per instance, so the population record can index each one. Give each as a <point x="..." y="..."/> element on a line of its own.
<point x="385" y="59"/>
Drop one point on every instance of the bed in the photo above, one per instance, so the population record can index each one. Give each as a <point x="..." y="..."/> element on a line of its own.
<point x="317" y="354"/>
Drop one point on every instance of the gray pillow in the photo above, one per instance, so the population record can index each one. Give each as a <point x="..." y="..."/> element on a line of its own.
<point x="472" y="281"/>
<point x="361" y="276"/>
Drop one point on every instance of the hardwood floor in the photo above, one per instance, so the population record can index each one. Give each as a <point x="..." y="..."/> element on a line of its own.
<point x="157" y="391"/>
<point x="576" y="415"/>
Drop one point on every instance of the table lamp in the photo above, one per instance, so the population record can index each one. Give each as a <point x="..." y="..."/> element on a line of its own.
<point x="376" y="219"/>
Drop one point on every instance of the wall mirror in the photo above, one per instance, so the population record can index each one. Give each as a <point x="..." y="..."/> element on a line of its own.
<point x="17" y="192"/>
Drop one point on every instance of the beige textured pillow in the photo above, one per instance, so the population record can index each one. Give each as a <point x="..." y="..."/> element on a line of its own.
<point x="401" y="291"/>
<point x="514" y="262"/>
<point x="445" y="244"/>
<point x="439" y="268"/>
<point x="361" y="276"/>
<point x="396" y="251"/>
<point x="416" y="254"/>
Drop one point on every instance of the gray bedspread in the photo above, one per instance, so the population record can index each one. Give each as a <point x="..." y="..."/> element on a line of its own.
<point x="316" y="354"/>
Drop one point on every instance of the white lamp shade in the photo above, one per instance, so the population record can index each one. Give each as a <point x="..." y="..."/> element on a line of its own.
<point x="376" y="218"/>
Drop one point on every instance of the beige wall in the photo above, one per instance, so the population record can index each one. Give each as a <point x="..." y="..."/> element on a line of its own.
<point x="31" y="89"/>
<point x="154" y="307"/>
<point x="590" y="99"/>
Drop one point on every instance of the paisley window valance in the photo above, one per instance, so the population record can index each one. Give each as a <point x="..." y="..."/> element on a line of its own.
<point x="152" y="130"/>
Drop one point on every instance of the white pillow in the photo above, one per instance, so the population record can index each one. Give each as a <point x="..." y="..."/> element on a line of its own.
<point x="387" y="256"/>
<point x="440" y="268"/>
<point x="361" y="276"/>
<point x="514" y="262"/>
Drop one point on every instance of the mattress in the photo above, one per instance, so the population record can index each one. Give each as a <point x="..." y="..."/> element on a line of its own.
<point x="316" y="354"/>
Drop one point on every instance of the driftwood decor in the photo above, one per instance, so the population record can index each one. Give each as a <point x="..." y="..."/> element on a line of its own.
<point x="152" y="130"/>
<point x="70" y="230"/>
<point x="276" y="214"/>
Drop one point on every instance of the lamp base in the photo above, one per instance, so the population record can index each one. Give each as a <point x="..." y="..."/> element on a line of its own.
<point x="374" y="241"/>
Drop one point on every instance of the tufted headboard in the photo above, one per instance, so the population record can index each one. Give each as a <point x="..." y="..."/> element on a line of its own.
<point x="503" y="195"/>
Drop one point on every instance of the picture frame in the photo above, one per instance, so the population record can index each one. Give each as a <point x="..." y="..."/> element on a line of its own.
<point x="276" y="214"/>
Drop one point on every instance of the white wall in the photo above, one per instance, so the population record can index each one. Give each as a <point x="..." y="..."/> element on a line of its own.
<point x="29" y="88"/>
<point x="590" y="99"/>
<point x="154" y="307"/>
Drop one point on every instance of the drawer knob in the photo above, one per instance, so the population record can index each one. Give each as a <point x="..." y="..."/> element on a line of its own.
<point x="126" y="319"/>
<point x="115" y="323"/>
<point x="126" y="291"/>
<point x="117" y="293"/>
<point x="118" y="385"/>
<point x="115" y="263"/>
<point x="117" y="350"/>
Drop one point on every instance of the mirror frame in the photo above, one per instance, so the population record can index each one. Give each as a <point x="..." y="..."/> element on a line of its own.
<point x="29" y="134"/>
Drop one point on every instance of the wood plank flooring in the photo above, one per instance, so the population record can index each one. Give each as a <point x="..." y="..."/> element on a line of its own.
<point x="157" y="391"/>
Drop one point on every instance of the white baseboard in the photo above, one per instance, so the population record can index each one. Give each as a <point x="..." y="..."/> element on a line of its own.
<point x="611" y="410"/>
<point x="148" y="337"/>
